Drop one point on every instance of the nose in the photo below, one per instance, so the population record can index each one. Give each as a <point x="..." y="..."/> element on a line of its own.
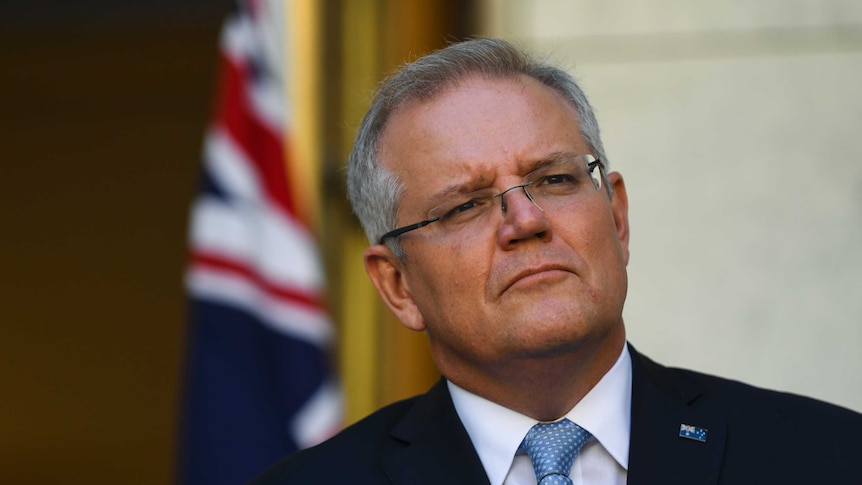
<point x="523" y="219"/>
<point x="502" y="196"/>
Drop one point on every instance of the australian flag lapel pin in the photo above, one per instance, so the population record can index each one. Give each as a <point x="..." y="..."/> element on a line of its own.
<point x="692" y="432"/>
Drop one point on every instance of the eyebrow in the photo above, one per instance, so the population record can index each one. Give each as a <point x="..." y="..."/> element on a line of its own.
<point x="550" y="159"/>
<point x="457" y="188"/>
<point x="467" y="186"/>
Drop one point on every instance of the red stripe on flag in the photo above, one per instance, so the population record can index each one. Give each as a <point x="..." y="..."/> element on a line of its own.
<point x="263" y="147"/>
<point x="281" y="292"/>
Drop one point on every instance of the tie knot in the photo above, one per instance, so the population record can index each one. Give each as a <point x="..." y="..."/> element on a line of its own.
<point x="552" y="448"/>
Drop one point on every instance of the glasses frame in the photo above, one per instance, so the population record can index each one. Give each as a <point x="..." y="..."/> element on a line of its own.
<point x="597" y="162"/>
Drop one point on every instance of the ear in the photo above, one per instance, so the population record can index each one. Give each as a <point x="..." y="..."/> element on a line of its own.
<point x="620" y="209"/>
<point x="387" y="274"/>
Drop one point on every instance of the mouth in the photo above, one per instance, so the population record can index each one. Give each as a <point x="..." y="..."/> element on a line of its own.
<point x="537" y="275"/>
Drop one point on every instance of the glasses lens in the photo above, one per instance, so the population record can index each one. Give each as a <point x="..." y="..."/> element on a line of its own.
<point x="564" y="182"/>
<point x="461" y="211"/>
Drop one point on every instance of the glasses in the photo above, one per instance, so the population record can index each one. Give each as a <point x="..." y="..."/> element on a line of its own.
<point x="554" y="186"/>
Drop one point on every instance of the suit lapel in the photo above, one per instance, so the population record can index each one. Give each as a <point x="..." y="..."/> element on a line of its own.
<point x="431" y="446"/>
<point x="662" y="401"/>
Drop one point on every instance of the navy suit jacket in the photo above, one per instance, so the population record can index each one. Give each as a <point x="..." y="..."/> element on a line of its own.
<point x="754" y="436"/>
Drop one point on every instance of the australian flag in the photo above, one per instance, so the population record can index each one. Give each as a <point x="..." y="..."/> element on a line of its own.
<point x="257" y="385"/>
<point x="692" y="432"/>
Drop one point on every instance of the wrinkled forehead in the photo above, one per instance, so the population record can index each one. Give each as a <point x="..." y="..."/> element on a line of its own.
<point x="477" y="131"/>
<point x="463" y="88"/>
<point x="401" y="101"/>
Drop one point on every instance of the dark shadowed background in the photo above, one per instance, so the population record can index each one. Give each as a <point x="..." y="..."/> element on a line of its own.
<point x="102" y="113"/>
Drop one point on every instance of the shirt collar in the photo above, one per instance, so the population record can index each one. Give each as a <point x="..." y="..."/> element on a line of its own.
<point x="606" y="410"/>
<point x="497" y="431"/>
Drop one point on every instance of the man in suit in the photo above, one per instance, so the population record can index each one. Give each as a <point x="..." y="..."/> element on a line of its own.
<point x="481" y="181"/>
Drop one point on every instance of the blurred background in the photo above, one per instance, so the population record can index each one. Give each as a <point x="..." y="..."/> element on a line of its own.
<point x="735" y="124"/>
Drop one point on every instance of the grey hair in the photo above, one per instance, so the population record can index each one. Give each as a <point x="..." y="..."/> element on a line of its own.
<point x="376" y="192"/>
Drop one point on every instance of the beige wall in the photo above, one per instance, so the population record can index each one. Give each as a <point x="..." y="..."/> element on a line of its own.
<point x="737" y="126"/>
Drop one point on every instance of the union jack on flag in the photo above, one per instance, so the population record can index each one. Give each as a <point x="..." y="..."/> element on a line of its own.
<point x="257" y="383"/>
<point x="692" y="432"/>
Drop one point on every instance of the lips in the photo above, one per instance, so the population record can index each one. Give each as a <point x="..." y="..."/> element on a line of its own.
<point x="528" y="272"/>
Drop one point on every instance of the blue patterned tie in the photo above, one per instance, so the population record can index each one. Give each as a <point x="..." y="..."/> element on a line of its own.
<point x="552" y="448"/>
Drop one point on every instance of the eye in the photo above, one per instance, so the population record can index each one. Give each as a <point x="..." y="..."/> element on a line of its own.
<point x="560" y="181"/>
<point x="467" y="209"/>
<point x="556" y="179"/>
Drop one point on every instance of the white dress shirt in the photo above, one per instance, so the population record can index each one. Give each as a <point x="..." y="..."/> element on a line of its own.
<point x="605" y="412"/>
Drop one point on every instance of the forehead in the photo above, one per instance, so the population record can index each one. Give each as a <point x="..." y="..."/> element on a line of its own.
<point x="478" y="128"/>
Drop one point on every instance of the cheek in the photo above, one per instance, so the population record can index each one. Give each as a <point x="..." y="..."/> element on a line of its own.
<point x="453" y="275"/>
<point x="594" y="239"/>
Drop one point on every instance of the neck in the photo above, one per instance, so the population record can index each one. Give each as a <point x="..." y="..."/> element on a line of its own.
<point x="544" y="388"/>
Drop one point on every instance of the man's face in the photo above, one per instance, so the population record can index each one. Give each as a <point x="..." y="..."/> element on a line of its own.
<point x="530" y="283"/>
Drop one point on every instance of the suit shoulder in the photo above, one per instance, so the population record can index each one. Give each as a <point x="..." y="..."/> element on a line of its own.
<point x="738" y="398"/>
<point x="746" y="398"/>
<point x="356" y="450"/>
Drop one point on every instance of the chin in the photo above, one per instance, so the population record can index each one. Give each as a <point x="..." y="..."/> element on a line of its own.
<point x="549" y="349"/>
<point x="564" y="325"/>
<point x="554" y="328"/>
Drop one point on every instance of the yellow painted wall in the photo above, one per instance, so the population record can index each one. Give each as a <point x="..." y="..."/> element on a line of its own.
<point x="357" y="44"/>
